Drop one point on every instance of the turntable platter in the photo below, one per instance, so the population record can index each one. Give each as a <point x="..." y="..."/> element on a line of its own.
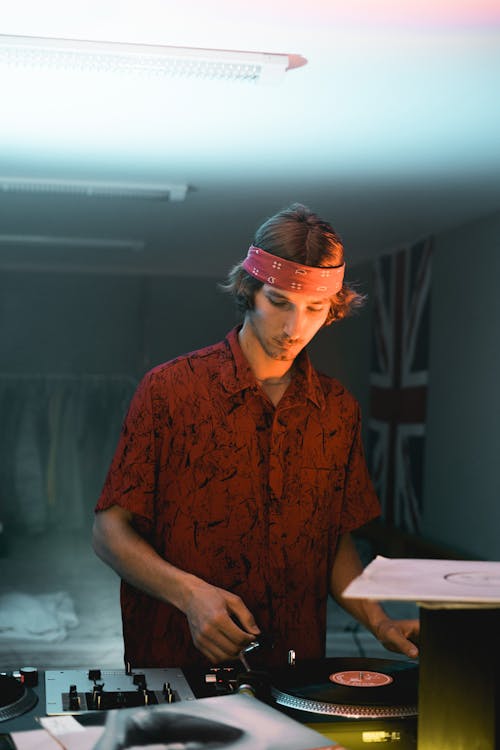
<point x="15" y="698"/>
<point x="349" y="687"/>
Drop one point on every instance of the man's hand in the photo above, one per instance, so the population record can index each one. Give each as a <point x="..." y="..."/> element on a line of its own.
<point x="400" y="636"/>
<point x="221" y="625"/>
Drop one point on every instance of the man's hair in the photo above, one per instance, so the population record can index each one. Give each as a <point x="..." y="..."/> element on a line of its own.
<point x="297" y="234"/>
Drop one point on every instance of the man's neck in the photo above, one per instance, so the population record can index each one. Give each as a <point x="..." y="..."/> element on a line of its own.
<point x="266" y="369"/>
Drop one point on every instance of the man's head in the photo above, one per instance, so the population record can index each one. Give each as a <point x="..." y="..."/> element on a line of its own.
<point x="299" y="235"/>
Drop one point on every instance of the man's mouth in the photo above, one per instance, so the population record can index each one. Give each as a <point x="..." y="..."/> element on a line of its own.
<point x="287" y="343"/>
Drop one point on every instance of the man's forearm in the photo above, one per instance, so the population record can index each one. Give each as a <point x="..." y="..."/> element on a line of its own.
<point x="119" y="545"/>
<point x="347" y="566"/>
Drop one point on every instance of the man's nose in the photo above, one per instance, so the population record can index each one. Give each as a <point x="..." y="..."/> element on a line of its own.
<point x="293" y="324"/>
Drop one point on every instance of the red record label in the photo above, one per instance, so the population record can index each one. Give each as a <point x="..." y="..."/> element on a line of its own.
<point x="358" y="678"/>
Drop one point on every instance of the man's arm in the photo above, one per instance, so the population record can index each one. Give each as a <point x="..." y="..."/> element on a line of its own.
<point x="211" y="612"/>
<point x="395" y="635"/>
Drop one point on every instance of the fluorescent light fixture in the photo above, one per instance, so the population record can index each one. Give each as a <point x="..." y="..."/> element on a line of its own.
<point x="174" y="192"/>
<point x="154" y="60"/>
<point x="73" y="243"/>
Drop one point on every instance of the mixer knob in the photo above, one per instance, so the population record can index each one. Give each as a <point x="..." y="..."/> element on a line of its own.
<point x="168" y="693"/>
<point x="29" y="676"/>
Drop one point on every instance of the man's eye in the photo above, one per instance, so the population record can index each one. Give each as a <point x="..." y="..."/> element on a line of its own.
<point x="278" y="302"/>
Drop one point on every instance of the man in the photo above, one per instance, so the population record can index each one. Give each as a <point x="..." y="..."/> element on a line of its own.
<point x="240" y="474"/>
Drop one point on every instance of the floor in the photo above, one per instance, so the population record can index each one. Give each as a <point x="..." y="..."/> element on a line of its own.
<point x="43" y="565"/>
<point x="66" y="567"/>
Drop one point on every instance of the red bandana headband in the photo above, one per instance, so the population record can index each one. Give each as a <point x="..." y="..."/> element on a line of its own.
<point x="291" y="276"/>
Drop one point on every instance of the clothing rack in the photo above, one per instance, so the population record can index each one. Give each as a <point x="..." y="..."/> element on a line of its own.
<point x="59" y="431"/>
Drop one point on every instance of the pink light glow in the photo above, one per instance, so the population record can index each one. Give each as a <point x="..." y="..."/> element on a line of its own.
<point x="410" y="13"/>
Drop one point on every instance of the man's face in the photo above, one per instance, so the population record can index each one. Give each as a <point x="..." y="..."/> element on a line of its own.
<point x="285" y="322"/>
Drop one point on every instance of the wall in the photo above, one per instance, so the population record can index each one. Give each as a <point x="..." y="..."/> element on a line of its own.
<point x="183" y="315"/>
<point x="462" y="485"/>
<point x="75" y="323"/>
<point x="343" y="349"/>
<point x="68" y="323"/>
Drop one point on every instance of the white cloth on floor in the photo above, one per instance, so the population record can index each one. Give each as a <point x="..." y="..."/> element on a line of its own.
<point x="41" y="617"/>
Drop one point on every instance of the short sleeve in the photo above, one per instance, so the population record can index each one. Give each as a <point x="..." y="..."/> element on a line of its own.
<point x="130" y="481"/>
<point x="360" y="499"/>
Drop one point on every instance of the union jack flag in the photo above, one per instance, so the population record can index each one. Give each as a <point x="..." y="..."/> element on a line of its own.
<point x="398" y="382"/>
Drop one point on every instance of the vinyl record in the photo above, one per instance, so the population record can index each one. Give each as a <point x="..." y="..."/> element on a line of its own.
<point x="350" y="687"/>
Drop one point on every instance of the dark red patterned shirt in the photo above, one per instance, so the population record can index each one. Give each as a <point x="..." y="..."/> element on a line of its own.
<point x="247" y="496"/>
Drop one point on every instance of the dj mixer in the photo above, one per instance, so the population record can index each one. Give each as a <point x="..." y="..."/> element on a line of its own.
<point x="76" y="691"/>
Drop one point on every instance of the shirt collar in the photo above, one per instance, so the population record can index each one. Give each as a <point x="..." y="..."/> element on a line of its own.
<point x="236" y="374"/>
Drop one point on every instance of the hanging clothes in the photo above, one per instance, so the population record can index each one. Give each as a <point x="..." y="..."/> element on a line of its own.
<point x="58" y="437"/>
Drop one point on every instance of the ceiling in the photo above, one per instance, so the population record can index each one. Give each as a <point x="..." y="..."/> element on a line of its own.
<point x="391" y="130"/>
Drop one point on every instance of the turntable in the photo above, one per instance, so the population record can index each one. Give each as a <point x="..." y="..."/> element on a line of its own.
<point x="353" y="701"/>
<point x="15" y="697"/>
<point x="349" y="687"/>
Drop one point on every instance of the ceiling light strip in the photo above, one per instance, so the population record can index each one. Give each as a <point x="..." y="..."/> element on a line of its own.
<point x="73" y="243"/>
<point x="174" y="192"/>
<point x="151" y="60"/>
